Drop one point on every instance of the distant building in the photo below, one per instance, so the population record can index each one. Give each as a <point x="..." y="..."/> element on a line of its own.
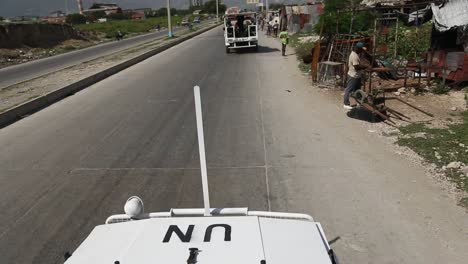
<point x="22" y="19"/>
<point x="54" y="20"/>
<point x="138" y="15"/>
<point x="196" y="3"/>
<point x="57" y="14"/>
<point x="100" y="6"/>
<point x="144" y="10"/>
<point x="56" y="17"/>
<point x="107" y="8"/>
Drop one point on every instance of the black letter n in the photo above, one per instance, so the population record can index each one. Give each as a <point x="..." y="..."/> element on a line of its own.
<point x="183" y="237"/>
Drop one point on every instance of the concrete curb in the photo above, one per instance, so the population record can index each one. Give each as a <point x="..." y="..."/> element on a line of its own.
<point x="18" y="112"/>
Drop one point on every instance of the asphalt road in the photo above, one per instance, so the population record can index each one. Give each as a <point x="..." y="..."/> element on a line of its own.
<point x="26" y="71"/>
<point x="272" y="141"/>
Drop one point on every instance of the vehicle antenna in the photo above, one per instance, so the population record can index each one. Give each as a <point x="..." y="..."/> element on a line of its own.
<point x="201" y="148"/>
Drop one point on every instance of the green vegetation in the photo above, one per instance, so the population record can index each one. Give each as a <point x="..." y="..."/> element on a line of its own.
<point x="210" y="7"/>
<point x="76" y="19"/>
<point x="303" y="50"/>
<point x="412" y="43"/>
<point x="337" y="18"/>
<point x="120" y="16"/>
<point x="441" y="146"/>
<point x="95" y="16"/>
<point x="127" y="26"/>
<point x="440" y="89"/>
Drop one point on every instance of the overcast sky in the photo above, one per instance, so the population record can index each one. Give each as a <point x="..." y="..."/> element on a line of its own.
<point x="11" y="8"/>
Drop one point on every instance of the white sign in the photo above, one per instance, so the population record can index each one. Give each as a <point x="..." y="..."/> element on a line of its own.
<point x="252" y="2"/>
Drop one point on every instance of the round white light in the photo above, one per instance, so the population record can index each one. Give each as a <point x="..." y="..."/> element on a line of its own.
<point x="134" y="206"/>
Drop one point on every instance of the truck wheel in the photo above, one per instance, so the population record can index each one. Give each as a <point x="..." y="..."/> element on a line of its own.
<point x="256" y="48"/>
<point x="227" y="50"/>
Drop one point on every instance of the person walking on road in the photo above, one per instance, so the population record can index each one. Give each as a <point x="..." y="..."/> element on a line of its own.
<point x="354" y="73"/>
<point x="275" y="29"/>
<point x="284" y="37"/>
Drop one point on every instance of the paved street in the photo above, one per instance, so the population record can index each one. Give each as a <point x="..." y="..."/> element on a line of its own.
<point x="273" y="143"/>
<point x="26" y="71"/>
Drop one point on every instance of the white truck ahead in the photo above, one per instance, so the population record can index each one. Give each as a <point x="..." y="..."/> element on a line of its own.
<point x="240" y="30"/>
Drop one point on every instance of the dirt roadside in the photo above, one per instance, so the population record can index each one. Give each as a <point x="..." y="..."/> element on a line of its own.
<point x="448" y="110"/>
<point x="9" y="57"/>
<point x="437" y="143"/>
<point x="384" y="207"/>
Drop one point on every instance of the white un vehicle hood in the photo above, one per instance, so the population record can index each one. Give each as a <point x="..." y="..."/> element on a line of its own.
<point x="235" y="236"/>
<point x="205" y="236"/>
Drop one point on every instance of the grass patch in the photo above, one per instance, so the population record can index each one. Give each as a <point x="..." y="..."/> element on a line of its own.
<point x="440" y="89"/>
<point x="304" y="67"/>
<point x="440" y="146"/>
<point x="127" y="26"/>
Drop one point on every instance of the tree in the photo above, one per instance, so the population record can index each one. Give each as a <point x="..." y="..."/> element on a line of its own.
<point x="161" y="12"/>
<point x="275" y="6"/>
<point x="339" y="15"/>
<point x="75" y="19"/>
<point x="95" y="16"/>
<point x="184" y="12"/>
<point x="210" y="7"/>
<point x="120" y="16"/>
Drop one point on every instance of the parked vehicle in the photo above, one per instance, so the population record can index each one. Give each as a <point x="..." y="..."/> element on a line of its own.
<point x="197" y="20"/>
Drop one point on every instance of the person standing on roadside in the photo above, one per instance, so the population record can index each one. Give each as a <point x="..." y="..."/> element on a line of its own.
<point x="284" y="37"/>
<point x="354" y="73"/>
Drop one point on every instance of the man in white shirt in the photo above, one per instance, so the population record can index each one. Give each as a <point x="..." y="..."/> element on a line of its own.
<point x="354" y="73"/>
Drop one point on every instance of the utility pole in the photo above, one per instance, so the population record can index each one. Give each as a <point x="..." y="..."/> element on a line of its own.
<point x="169" y="25"/>
<point x="80" y="7"/>
<point x="217" y="11"/>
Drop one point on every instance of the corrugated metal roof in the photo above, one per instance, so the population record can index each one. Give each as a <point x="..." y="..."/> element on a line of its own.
<point x="382" y="2"/>
<point x="452" y="14"/>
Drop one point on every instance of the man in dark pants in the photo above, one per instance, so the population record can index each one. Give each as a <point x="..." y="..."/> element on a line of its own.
<point x="354" y="73"/>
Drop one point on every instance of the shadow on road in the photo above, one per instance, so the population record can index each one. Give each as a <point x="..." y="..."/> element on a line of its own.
<point x="261" y="49"/>
<point x="363" y="115"/>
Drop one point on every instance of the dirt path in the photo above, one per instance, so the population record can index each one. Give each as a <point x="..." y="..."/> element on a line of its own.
<point x="383" y="206"/>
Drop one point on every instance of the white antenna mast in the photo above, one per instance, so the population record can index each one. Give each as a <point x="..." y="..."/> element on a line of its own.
<point x="201" y="148"/>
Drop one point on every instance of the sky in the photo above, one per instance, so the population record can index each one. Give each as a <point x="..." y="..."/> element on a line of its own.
<point x="11" y="8"/>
